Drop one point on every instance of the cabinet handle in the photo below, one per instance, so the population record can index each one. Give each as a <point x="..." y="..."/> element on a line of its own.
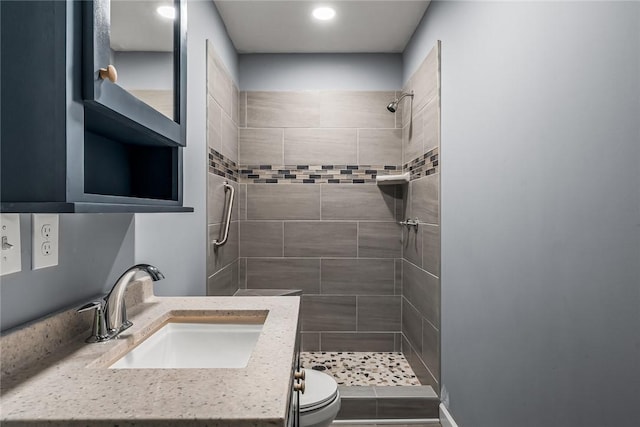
<point x="299" y="387"/>
<point x="299" y="375"/>
<point x="109" y="73"/>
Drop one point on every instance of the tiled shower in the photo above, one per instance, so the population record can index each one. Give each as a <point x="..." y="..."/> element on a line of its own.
<point x="309" y="216"/>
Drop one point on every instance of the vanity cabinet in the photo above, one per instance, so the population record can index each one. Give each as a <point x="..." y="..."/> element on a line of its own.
<point x="73" y="141"/>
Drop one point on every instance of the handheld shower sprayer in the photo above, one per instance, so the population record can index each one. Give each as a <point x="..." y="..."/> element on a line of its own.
<point x="393" y="106"/>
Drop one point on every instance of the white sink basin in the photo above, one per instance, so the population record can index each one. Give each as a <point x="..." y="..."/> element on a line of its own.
<point x="194" y="345"/>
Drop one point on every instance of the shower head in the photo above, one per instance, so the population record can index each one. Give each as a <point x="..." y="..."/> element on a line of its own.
<point x="393" y="105"/>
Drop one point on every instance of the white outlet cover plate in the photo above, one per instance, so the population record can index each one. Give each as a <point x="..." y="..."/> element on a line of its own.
<point x="11" y="258"/>
<point x="45" y="235"/>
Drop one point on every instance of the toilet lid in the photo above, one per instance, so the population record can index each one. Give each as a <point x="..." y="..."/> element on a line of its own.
<point x="320" y="388"/>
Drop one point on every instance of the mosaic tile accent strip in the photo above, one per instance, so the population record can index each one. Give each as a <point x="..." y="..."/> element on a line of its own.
<point x="362" y="368"/>
<point x="222" y="166"/>
<point x="314" y="174"/>
<point x="424" y="165"/>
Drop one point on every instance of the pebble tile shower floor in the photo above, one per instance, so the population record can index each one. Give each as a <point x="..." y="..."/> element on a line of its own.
<point x="362" y="368"/>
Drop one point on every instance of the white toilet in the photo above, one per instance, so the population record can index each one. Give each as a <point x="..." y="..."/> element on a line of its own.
<point x="320" y="402"/>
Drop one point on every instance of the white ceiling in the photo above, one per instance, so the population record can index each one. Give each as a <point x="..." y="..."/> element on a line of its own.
<point x="264" y="26"/>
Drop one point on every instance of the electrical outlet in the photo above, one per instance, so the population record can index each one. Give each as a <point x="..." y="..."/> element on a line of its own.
<point x="10" y="249"/>
<point x="45" y="240"/>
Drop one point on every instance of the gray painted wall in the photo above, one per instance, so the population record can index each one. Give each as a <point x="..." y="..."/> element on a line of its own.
<point x="364" y="71"/>
<point x="540" y="210"/>
<point x="176" y="242"/>
<point x="94" y="251"/>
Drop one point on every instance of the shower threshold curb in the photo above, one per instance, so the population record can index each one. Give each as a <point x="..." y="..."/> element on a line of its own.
<point x="388" y="404"/>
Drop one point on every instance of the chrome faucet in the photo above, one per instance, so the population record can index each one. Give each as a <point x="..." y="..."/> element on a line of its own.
<point x="111" y="313"/>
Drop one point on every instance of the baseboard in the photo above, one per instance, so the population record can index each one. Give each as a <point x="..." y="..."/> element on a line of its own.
<point x="446" y="420"/>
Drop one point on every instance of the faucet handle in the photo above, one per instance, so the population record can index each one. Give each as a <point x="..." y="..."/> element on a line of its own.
<point x="90" y="306"/>
<point x="99" y="327"/>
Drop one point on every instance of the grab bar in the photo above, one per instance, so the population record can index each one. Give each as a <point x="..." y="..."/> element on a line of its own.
<point x="228" y="221"/>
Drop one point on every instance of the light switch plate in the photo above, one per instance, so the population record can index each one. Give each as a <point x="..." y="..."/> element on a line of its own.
<point x="45" y="240"/>
<point x="10" y="258"/>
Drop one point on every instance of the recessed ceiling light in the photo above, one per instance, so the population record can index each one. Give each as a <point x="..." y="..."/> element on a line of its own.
<point x="324" y="13"/>
<point x="167" y="12"/>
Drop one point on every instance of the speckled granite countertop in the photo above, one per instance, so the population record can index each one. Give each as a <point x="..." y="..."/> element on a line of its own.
<point x="69" y="384"/>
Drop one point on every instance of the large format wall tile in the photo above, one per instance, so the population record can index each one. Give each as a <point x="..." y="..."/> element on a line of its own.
<point x="235" y="104"/>
<point x="320" y="239"/>
<point x="425" y="199"/>
<point x="229" y="146"/>
<point x="219" y="82"/>
<point x="261" y="239"/>
<point x="218" y="198"/>
<point x="357" y="341"/>
<point x="380" y="146"/>
<point x="284" y="273"/>
<point x="431" y="249"/>
<point x="242" y="202"/>
<point x="358" y="202"/>
<point x="356" y="109"/>
<point x="320" y="146"/>
<point x="425" y="80"/>
<point x="310" y="341"/>
<point x="242" y="119"/>
<point x="423" y="291"/>
<point x="214" y="124"/>
<point x="358" y="276"/>
<point x="328" y="313"/>
<point x="283" y="109"/>
<point x="261" y="147"/>
<point x="431" y="348"/>
<point x="417" y="364"/>
<point x="379" y="240"/>
<point x="431" y="124"/>
<point x="398" y="266"/>
<point x="224" y="255"/>
<point x="413" y="138"/>
<point x="412" y="244"/>
<point x="215" y="198"/>
<point x="379" y="313"/>
<point x="412" y="324"/>
<point x="224" y="282"/>
<point x="283" y="202"/>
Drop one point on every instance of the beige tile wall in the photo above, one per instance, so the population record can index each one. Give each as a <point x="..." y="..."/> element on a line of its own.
<point x="339" y="243"/>
<point x="222" y="136"/>
<point x="421" y="246"/>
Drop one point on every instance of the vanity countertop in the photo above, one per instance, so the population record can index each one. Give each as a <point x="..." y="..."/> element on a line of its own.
<point x="70" y="384"/>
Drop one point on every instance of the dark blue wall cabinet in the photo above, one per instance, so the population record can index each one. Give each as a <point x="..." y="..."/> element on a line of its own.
<point x="72" y="141"/>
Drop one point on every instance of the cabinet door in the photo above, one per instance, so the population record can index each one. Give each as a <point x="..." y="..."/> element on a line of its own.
<point x="142" y="55"/>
